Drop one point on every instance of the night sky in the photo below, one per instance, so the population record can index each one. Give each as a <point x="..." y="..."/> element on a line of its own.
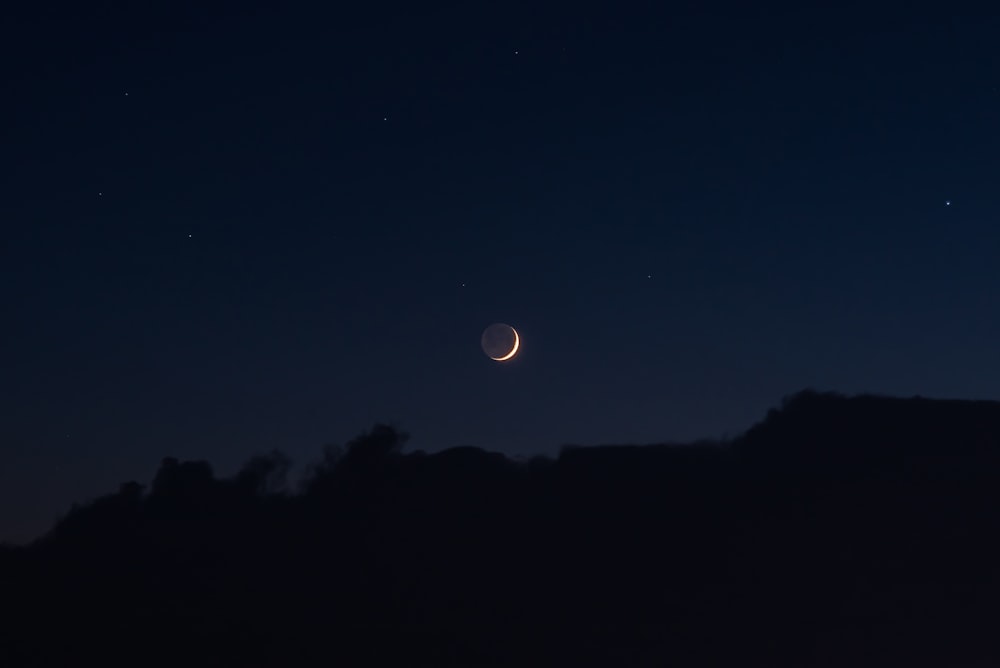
<point x="234" y="228"/>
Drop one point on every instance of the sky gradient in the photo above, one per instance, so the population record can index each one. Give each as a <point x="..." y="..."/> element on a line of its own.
<point x="235" y="228"/>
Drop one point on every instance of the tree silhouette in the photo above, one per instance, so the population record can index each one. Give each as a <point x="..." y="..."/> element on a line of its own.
<point x="838" y="530"/>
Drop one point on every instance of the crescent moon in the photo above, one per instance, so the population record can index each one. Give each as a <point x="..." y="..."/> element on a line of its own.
<point x="513" y="351"/>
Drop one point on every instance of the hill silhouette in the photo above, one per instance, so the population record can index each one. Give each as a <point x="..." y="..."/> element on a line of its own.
<point x="837" y="531"/>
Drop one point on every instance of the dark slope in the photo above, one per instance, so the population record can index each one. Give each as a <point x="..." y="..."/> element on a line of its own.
<point x="838" y="531"/>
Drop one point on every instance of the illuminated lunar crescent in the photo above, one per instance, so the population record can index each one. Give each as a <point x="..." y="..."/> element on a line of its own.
<point x="500" y="342"/>
<point x="513" y="351"/>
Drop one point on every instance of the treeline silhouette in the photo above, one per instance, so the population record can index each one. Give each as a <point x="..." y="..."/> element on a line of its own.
<point x="838" y="531"/>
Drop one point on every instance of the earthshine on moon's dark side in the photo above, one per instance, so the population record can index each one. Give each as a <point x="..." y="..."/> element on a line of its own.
<point x="500" y="342"/>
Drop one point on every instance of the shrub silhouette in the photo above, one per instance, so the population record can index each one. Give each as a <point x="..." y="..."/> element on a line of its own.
<point x="838" y="530"/>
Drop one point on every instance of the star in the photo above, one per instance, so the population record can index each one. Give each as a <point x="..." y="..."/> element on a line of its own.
<point x="947" y="202"/>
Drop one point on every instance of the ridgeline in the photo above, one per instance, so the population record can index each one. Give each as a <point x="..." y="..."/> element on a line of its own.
<point x="838" y="531"/>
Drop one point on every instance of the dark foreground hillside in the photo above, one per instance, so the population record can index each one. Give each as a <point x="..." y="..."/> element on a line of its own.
<point x="839" y="531"/>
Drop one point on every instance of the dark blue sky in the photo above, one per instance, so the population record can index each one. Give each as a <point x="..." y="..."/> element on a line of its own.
<point x="229" y="229"/>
